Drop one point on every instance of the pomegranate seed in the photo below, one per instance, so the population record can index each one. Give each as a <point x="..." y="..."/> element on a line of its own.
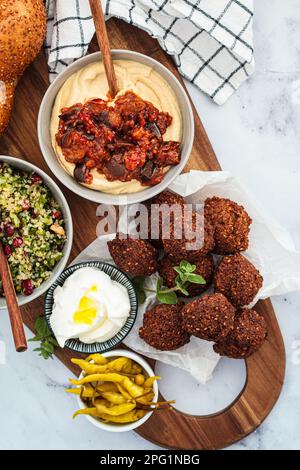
<point x="56" y="214"/>
<point x="8" y="230"/>
<point x="36" y="179"/>
<point x="18" y="241"/>
<point x="25" y="205"/>
<point x="7" y="250"/>
<point x="27" y="286"/>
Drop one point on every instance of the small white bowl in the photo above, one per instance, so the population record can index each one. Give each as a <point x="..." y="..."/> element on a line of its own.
<point x="23" y="165"/>
<point x="50" y="157"/>
<point x="115" y="427"/>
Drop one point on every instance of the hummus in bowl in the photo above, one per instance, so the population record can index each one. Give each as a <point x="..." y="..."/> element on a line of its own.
<point x="89" y="83"/>
<point x="85" y="82"/>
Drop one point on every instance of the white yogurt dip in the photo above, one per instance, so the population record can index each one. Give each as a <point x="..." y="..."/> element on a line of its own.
<point x="89" y="306"/>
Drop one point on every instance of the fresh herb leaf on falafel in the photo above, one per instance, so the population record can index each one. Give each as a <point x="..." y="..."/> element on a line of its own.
<point x="138" y="284"/>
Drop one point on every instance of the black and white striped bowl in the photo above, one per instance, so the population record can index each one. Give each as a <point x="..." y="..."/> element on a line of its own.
<point x="115" y="274"/>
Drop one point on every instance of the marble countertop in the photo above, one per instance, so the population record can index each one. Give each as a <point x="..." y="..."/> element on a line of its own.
<point x="256" y="135"/>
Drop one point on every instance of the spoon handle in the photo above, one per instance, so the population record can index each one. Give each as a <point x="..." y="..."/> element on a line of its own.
<point x="102" y="37"/>
<point x="12" y="304"/>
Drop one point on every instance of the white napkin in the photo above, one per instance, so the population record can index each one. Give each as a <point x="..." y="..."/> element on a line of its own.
<point x="271" y="250"/>
<point x="211" y="40"/>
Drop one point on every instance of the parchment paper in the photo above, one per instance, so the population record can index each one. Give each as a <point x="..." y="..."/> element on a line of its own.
<point x="271" y="250"/>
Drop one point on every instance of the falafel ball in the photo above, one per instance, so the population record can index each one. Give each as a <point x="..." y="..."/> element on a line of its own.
<point x="204" y="267"/>
<point x="165" y="197"/>
<point x="237" y="279"/>
<point x="162" y="327"/>
<point x="211" y="317"/>
<point x="248" y="334"/>
<point x="231" y="224"/>
<point x="134" y="256"/>
<point x="187" y="246"/>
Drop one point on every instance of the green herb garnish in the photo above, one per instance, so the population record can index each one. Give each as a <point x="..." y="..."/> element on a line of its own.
<point x="138" y="283"/>
<point x="186" y="275"/>
<point x="47" y="342"/>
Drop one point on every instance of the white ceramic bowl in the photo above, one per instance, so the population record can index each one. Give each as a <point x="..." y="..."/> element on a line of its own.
<point x="58" y="195"/>
<point x="115" y="427"/>
<point x="44" y="119"/>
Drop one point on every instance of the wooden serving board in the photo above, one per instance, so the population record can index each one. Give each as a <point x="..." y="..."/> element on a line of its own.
<point x="265" y="369"/>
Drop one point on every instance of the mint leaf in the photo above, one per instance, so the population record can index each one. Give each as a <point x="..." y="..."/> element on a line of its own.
<point x="184" y="265"/>
<point x="141" y="296"/>
<point x="45" y="354"/>
<point x="159" y="283"/>
<point x="187" y="267"/>
<point x="169" y="298"/>
<point x="177" y="269"/>
<point x="138" y="284"/>
<point x="191" y="268"/>
<point x="182" y="289"/>
<point x="196" y="279"/>
<point x="181" y="275"/>
<point x="53" y="341"/>
<point x="164" y="296"/>
<point x="181" y="286"/>
<point x="138" y="281"/>
<point x="43" y="334"/>
<point x="36" y="338"/>
<point x="41" y="326"/>
<point x="46" y="346"/>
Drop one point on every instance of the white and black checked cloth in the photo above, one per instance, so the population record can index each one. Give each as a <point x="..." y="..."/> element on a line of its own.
<point x="211" y="40"/>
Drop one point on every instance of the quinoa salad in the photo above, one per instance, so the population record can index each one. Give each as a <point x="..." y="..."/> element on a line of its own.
<point x="31" y="228"/>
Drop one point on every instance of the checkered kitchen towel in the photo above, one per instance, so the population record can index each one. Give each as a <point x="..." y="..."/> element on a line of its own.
<point x="211" y="40"/>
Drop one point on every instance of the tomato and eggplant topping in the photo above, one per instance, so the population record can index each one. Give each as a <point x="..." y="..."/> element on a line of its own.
<point x="122" y="141"/>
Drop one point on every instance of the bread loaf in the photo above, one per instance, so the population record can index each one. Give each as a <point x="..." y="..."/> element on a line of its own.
<point x="22" y="32"/>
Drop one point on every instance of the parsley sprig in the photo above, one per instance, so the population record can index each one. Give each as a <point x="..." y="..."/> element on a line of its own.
<point x="47" y="342"/>
<point x="185" y="276"/>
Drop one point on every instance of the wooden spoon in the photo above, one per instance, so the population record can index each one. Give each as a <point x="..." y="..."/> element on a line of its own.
<point x="102" y="37"/>
<point x="12" y="304"/>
